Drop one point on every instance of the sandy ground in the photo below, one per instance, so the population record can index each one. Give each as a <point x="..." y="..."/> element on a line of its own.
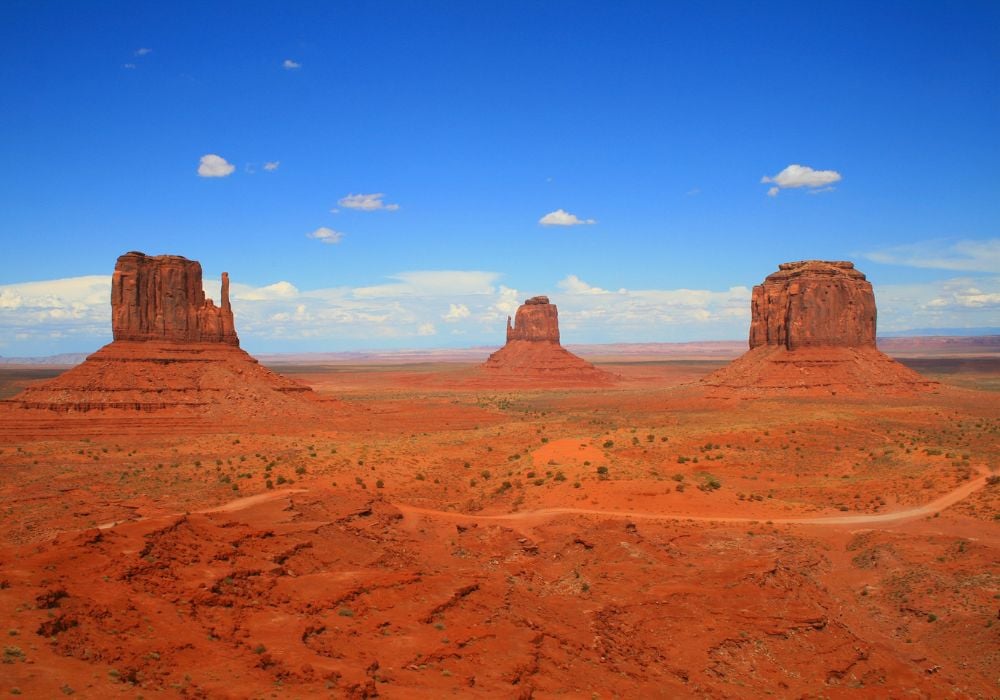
<point x="435" y="535"/>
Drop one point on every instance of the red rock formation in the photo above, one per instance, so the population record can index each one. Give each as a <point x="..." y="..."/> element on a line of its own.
<point x="813" y="303"/>
<point x="161" y="298"/>
<point x="812" y="331"/>
<point x="533" y="352"/>
<point x="536" y="319"/>
<point x="175" y="353"/>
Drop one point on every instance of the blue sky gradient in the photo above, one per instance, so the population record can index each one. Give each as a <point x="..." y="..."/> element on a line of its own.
<point x="656" y="120"/>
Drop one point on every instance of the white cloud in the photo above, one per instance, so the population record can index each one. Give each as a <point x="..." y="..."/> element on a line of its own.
<point x="965" y="255"/>
<point x="128" y="66"/>
<point x="212" y="165"/>
<point x="143" y="52"/>
<point x="407" y="311"/>
<point x="508" y="301"/>
<point x="456" y="312"/>
<point x="795" y="176"/>
<point x="627" y="314"/>
<point x="326" y="235"/>
<point x="289" y="64"/>
<point x="272" y="165"/>
<point x="959" y="302"/>
<point x="561" y="217"/>
<point x="34" y="314"/>
<point x="278" y="290"/>
<point x="428" y="283"/>
<point x="366" y="202"/>
<point x="575" y="285"/>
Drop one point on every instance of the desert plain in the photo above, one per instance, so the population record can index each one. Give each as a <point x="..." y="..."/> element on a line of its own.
<point x="428" y="532"/>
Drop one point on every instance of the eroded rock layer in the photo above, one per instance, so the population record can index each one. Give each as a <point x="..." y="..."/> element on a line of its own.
<point x="533" y="352"/>
<point x="161" y="298"/>
<point x="812" y="332"/>
<point x="209" y="379"/>
<point x="813" y="303"/>
<point x="537" y="320"/>
<point x="815" y="371"/>
<point x="175" y="355"/>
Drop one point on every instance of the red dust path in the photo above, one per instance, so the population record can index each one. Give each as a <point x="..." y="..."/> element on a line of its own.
<point x="935" y="506"/>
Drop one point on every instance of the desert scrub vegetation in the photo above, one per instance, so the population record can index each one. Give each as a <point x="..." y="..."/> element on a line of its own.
<point x="709" y="482"/>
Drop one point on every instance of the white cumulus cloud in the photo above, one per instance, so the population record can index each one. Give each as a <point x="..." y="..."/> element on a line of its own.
<point x="428" y="283"/>
<point x="366" y="202"/>
<point x="289" y="64"/>
<point x="456" y="312"/>
<point x="795" y="176"/>
<point x="212" y="165"/>
<point x="408" y="310"/>
<point x="561" y="217"/>
<point x="959" y="302"/>
<point x="271" y="165"/>
<point x="326" y="235"/>
<point x="278" y="290"/>
<point x="575" y="285"/>
<point x="33" y="314"/>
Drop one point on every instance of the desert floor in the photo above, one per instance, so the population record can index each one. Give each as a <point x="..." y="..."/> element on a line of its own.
<point x="438" y="536"/>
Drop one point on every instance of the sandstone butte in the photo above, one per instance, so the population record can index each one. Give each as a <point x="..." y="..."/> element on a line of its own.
<point x="174" y="354"/>
<point x="533" y="351"/>
<point x="812" y="332"/>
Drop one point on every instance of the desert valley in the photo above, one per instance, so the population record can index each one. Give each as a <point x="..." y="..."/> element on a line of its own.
<point x="814" y="518"/>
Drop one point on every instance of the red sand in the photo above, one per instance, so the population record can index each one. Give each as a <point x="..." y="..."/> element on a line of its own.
<point x="428" y="536"/>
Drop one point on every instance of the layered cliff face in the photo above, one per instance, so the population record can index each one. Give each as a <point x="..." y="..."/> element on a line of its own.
<point x="812" y="331"/>
<point x="533" y="352"/>
<point x="174" y="354"/>
<point x="161" y="298"/>
<point x="813" y="303"/>
<point x="536" y="320"/>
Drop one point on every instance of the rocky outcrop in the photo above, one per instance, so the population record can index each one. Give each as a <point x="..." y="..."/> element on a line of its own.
<point x="536" y="320"/>
<point x="175" y="356"/>
<point x="533" y="353"/>
<point x="812" y="332"/>
<point x="813" y="303"/>
<point x="161" y="298"/>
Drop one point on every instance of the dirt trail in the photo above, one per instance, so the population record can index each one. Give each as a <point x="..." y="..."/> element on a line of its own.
<point x="248" y="501"/>
<point x="934" y="506"/>
<point x="230" y="507"/>
<point x="527" y="516"/>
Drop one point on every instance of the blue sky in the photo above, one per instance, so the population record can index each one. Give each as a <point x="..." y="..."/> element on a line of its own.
<point x="651" y="124"/>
